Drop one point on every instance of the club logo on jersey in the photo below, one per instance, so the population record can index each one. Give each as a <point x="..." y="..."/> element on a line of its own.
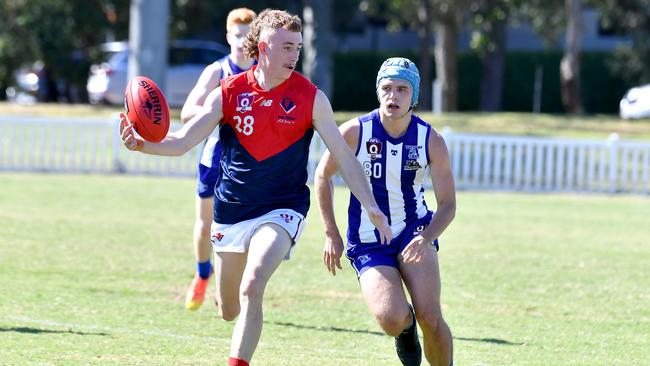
<point x="287" y="218"/>
<point x="244" y="102"/>
<point x="373" y="147"/>
<point x="287" y="104"/>
<point x="411" y="165"/>
<point x="266" y="103"/>
<point x="413" y="151"/>
<point x="217" y="236"/>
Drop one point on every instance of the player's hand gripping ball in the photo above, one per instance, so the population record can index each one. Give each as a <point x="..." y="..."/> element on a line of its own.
<point x="147" y="109"/>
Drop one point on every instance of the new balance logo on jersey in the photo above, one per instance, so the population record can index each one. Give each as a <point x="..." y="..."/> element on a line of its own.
<point x="266" y="103"/>
<point x="244" y="102"/>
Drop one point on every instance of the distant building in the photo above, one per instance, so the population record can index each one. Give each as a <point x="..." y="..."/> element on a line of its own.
<point x="519" y="38"/>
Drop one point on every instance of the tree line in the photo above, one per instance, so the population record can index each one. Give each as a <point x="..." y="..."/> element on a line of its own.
<point x="63" y="34"/>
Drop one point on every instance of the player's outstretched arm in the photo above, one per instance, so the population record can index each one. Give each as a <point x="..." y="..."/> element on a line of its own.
<point x="179" y="142"/>
<point x="333" y="248"/>
<point x="445" y="192"/>
<point x="348" y="165"/>
<point x="209" y="80"/>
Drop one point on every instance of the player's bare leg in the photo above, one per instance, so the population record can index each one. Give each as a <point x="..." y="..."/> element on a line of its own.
<point x="202" y="251"/>
<point x="382" y="289"/>
<point x="267" y="249"/>
<point x="228" y="270"/>
<point x="422" y="280"/>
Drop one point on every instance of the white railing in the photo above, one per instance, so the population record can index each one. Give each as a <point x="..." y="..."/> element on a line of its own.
<point x="479" y="162"/>
<point x="545" y="164"/>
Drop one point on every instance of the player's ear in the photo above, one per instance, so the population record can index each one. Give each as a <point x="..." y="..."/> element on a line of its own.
<point x="263" y="47"/>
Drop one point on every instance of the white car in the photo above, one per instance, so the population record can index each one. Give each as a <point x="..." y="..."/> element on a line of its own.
<point x="636" y="103"/>
<point x="187" y="59"/>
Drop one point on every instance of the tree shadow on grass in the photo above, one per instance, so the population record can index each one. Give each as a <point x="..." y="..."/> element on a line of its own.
<point x="325" y="329"/>
<point x="365" y="331"/>
<point x="490" y="340"/>
<point x="30" y="330"/>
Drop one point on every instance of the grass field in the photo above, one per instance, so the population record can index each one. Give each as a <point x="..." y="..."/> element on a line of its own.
<point x="93" y="271"/>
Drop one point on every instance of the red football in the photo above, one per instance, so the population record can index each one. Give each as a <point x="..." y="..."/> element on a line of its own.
<point x="147" y="109"/>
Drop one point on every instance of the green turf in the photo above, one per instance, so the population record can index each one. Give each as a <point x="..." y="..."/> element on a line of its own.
<point x="93" y="271"/>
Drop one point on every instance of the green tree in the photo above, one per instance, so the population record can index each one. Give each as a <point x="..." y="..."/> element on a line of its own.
<point x="59" y="33"/>
<point x="631" y="18"/>
<point x="490" y="19"/>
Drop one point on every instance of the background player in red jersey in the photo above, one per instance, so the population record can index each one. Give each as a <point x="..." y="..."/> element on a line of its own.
<point x="267" y="117"/>
<point x="237" y="26"/>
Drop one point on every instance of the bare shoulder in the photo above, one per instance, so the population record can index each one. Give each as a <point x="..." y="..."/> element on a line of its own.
<point x="321" y="100"/>
<point x="350" y="130"/>
<point x="436" y="144"/>
<point x="322" y="114"/>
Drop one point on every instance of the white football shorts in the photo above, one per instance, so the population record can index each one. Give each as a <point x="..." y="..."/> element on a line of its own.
<point x="236" y="237"/>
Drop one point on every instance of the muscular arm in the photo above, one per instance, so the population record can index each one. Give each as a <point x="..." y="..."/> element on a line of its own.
<point x="326" y="169"/>
<point x="323" y="178"/>
<point x="348" y="165"/>
<point x="179" y="142"/>
<point x="209" y="80"/>
<point x="443" y="187"/>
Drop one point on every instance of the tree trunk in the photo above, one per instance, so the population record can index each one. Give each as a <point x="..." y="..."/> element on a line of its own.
<point x="425" y="33"/>
<point x="446" y="53"/>
<point x="317" y="58"/>
<point x="493" y="62"/>
<point x="570" y="64"/>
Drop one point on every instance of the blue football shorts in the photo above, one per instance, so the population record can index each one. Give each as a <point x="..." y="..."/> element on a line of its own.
<point x="209" y="169"/>
<point x="368" y="255"/>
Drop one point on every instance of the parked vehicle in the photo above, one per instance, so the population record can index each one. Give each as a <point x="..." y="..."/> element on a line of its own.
<point x="32" y="84"/>
<point x="636" y="103"/>
<point x="187" y="59"/>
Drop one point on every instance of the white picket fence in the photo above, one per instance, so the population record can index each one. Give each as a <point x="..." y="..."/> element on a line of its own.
<point x="479" y="162"/>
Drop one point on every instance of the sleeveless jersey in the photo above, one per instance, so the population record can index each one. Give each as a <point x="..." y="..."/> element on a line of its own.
<point x="265" y="135"/>
<point x="395" y="168"/>
<point x="211" y="150"/>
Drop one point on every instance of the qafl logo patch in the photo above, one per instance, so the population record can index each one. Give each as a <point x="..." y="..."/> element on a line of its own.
<point x="373" y="148"/>
<point x="245" y="102"/>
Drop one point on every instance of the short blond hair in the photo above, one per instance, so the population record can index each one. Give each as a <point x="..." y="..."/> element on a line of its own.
<point x="239" y="16"/>
<point x="269" y="19"/>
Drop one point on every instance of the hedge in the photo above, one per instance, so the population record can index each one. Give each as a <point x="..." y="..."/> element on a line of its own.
<point x="355" y="72"/>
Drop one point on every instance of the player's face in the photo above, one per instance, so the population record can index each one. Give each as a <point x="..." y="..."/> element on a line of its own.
<point x="236" y="36"/>
<point x="394" y="97"/>
<point x="281" y="50"/>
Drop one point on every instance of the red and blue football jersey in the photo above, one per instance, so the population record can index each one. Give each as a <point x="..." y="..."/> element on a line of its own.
<point x="265" y="136"/>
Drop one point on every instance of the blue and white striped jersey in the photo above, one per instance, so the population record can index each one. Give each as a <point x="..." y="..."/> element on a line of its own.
<point x="395" y="168"/>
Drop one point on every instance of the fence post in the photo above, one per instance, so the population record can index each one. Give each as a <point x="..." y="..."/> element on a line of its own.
<point x="118" y="167"/>
<point x="612" y="142"/>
